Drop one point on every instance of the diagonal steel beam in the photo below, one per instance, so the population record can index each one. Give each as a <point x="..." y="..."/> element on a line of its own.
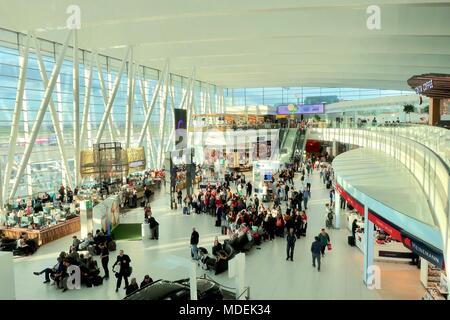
<point x="154" y="98"/>
<point x="111" y="98"/>
<point x="18" y="107"/>
<point x="40" y="116"/>
<point x="87" y="100"/>
<point x="105" y="96"/>
<point x="143" y="87"/>
<point x="53" y="113"/>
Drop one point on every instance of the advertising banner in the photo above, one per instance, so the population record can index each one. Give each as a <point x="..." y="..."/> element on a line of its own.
<point x="180" y="129"/>
<point x="300" y="109"/>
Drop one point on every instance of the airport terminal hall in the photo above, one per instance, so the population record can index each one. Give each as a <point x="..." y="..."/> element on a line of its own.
<point x="233" y="150"/>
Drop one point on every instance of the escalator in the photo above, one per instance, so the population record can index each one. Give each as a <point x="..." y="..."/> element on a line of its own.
<point x="289" y="145"/>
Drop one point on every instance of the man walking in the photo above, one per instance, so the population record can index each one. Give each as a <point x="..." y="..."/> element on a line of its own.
<point x="306" y="196"/>
<point x="104" y="257"/>
<point x="316" y="247"/>
<point x="324" y="240"/>
<point x="290" y="244"/>
<point x="308" y="184"/>
<point x="249" y="189"/>
<point x="194" y="242"/>
<point x="123" y="261"/>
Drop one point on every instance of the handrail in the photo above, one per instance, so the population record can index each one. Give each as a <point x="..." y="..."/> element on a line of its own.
<point x="246" y="290"/>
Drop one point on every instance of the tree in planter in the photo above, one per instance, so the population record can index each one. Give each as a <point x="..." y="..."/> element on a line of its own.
<point x="408" y="108"/>
<point x="317" y="117"/>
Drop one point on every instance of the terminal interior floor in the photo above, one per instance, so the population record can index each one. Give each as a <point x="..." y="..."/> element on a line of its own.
<point x="268" y="274"/>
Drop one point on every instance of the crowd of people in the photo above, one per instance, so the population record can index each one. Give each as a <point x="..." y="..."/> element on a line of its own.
<point x="281" y="214"/>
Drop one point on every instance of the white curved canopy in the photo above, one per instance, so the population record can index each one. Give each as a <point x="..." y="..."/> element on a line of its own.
<point x="254" y="43"/>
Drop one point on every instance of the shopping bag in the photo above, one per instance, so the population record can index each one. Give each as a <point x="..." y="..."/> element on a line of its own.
<point x="329" y="246"/>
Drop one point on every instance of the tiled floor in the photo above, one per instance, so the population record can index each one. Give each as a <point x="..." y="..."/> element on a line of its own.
<point x="268" y="274"/>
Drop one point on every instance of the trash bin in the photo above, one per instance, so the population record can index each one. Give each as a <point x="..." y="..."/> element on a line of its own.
<point x="145" y="231"/>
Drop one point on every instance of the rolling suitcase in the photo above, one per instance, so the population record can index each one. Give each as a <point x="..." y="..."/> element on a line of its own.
<point x="351" y="241"/>
<point x="185" y="210"/>
<point x="218" y="223"/>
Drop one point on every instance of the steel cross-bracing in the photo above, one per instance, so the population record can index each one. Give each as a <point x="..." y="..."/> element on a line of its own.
<point x="76" y="108"/>
<point x="87" y="101"/>
<point x="152" y="103"/>
<point x="40" y="115"/>
<point x="54" y="115"/>
<point x="18" y="107"/>
<point x="111" y="98"/>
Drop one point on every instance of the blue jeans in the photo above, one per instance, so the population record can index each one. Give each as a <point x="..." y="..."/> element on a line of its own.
<point x="194" y="252"/>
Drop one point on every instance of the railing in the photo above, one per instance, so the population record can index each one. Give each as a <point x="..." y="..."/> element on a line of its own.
<point x="246" y="290"/>
<point x="435" y="138"/>
<point x="423" y="157"/>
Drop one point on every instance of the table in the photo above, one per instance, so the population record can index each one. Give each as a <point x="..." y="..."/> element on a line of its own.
<point x="46" y="235"/>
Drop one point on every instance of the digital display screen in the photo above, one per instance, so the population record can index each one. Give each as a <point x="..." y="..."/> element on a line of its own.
<point x="301" y="109"/>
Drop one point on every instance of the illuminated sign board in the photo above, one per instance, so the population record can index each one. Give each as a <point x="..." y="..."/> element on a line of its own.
<point x="300" y="109"/>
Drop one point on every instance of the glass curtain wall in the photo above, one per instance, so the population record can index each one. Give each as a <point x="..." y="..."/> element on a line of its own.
<point x="45" y="170"/>
<point x="306" y="95"/>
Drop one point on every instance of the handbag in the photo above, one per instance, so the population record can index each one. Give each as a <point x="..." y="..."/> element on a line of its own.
<point x="129" y="271"/>
<point x="329" y="246"/>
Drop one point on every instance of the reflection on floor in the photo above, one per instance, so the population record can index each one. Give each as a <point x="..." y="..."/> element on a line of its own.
<point x="268" y="274"/>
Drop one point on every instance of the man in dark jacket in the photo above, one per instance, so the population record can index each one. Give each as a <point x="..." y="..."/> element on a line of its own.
<point x="249" y="189"/>
<point x="194" y="242"/>
<point x="316" y="248"/>
<point x="123" y="261"/>
<point x="324" y="240"/>
<point x="290" y="244"/>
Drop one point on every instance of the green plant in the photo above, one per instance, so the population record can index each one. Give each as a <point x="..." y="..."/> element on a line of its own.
<point x="316" y="117"/>
<point x="408" y="108"/>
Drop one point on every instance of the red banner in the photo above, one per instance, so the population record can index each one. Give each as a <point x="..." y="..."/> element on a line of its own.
<point x="389" y="229"/>
<point x="354" y="203"/>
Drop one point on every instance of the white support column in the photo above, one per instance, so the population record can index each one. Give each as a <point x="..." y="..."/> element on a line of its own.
<point x="172" y="108"/>
<point x="87" y="101"/>
<point x="7" y="278"/>
<point x="40" y="116"/>
<point x="193" y="280"/>
<point x="190" y="105"/>
<point x="162" y="125"/>
<point x="60" y="117"/>
<point x="76" y="109"/>
<point x="337" y="210"/>
<point x="129" y="112"/>
<point x="57" y="122"/>
<point x="16" y="117"/>
<point x="368" y="249"/>
<point x="111" y="99"/>
<point x="155" y="96"/>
